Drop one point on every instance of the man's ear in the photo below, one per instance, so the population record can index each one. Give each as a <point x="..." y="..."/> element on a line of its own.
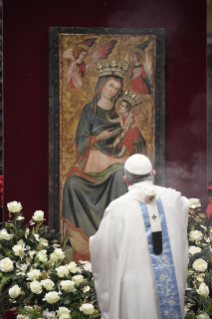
<point x="126" y="180"/>
<point x="153" y="173"/>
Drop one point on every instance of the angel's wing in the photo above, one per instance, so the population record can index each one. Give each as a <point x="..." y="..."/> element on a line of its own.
<point x="105" y="50"/>
<point x="68" y="53"/>
<point x="143" y="45"/>
<point x="88" y="42"/>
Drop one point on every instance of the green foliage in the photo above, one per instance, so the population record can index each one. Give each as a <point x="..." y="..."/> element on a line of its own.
<point x="204" y="302"/>
<point x="208" y="278"/>
<point x="31" y="313"/>
<point x="4" y="281"/>
<point x="194" y="301"/>
<point x="6" y="252"/>
<point x="190" y="315"/>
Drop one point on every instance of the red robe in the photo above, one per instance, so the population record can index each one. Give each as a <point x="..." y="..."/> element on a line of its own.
<point x="130" y="136"/>
<point x="80" y="73"/>
<point x="138" y="86"/>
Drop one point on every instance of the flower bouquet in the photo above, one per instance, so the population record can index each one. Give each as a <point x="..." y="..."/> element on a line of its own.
<point x="198" y="303"/>
<point x="35" y="278"/>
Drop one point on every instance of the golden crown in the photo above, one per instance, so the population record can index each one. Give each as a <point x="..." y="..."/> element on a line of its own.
<point x="112" y="68"/>
<point x="131" y="98"/>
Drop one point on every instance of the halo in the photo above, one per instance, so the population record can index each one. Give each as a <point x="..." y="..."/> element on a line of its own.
<point x="132" y="51"/>
<point x="77" y="47"/>
<point x="118" y="102"/>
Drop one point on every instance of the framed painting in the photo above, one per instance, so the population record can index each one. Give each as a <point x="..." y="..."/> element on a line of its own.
<point x="106" y="103"/>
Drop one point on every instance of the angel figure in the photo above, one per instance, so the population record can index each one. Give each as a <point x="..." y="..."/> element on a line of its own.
<point x="140" y="75"/>
<point x="77" y="53"/>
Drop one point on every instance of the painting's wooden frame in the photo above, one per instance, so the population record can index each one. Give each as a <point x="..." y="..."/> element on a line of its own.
<point x="54" y="132"/>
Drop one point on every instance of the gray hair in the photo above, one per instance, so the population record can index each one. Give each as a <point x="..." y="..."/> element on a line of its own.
<point x="132" y="178"/>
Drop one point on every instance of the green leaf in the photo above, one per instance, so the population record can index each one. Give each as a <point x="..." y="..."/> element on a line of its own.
<point x="66" y="301"/>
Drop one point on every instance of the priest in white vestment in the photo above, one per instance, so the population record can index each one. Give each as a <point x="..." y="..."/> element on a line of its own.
<point x="140" y="252"/>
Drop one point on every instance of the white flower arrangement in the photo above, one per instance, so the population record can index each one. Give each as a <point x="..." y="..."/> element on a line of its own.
<point x="199" y="275"/>
<point x="41" y="285"/>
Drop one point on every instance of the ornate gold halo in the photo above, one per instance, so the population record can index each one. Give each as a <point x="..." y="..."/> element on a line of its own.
<point x="131" y="97"/>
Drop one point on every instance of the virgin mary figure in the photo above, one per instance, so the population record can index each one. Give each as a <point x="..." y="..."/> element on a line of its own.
<point x="97" y="177"/>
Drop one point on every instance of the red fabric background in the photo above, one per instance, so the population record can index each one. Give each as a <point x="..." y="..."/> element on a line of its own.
<point x="25" y="32"/>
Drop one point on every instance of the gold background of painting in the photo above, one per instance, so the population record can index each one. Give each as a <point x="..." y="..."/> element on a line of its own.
<point x="72" y="101"/>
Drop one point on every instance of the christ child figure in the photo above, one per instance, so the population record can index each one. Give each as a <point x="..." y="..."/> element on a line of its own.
<point x="130" y="134"/>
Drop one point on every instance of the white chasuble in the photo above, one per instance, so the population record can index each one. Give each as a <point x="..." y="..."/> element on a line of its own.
<point x="131" y="281"/>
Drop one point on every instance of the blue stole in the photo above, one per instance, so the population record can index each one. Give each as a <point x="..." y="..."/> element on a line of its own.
<point x="163" y="267"/>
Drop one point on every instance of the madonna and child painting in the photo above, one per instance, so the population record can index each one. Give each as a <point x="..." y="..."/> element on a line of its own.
<point x="107" y="111"/>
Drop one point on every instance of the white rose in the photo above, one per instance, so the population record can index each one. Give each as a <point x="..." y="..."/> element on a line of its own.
<point x="57" y="255"/>
<point x="14" y="292"/>
<point x="63" y="311"/>
<point x="43" y="241"/>
<point x="203" y="316"/>
<point x="87" y="309"/>
<point x="22" y="317"/>
<point x="203" y="290"/>
<point x="64" y="316"/>
<point x="73" y="270"/>
<point x="195" y="235"/>
<point x="35" y="287"/>
<point x="38" y="216"/>
<point x="21" y="242"/>
<point x="6" y="265"/>
<point x="42" y="255"/>
<point x="18" y="250"/>
<point x="4" y="234"/>
<point x="34" y="274"/>
<point x="200" y="265"/>
<point x="86" y="289"/>
<point x="52" y="297"/>
<point x="193" y="250"/>
<point x="78" y="279"/>
<point x="87" y="266"/>
<point x="72" y="264"/>
<point x="14" y="207"/>
<point x="194" y="203"/>
<point x="68" y="285"/>
<point x="48" y="284"/>
<point x="62" y="271"/>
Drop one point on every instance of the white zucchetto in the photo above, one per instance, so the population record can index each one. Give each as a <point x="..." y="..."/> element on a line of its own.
<point x="138" y="164"/>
